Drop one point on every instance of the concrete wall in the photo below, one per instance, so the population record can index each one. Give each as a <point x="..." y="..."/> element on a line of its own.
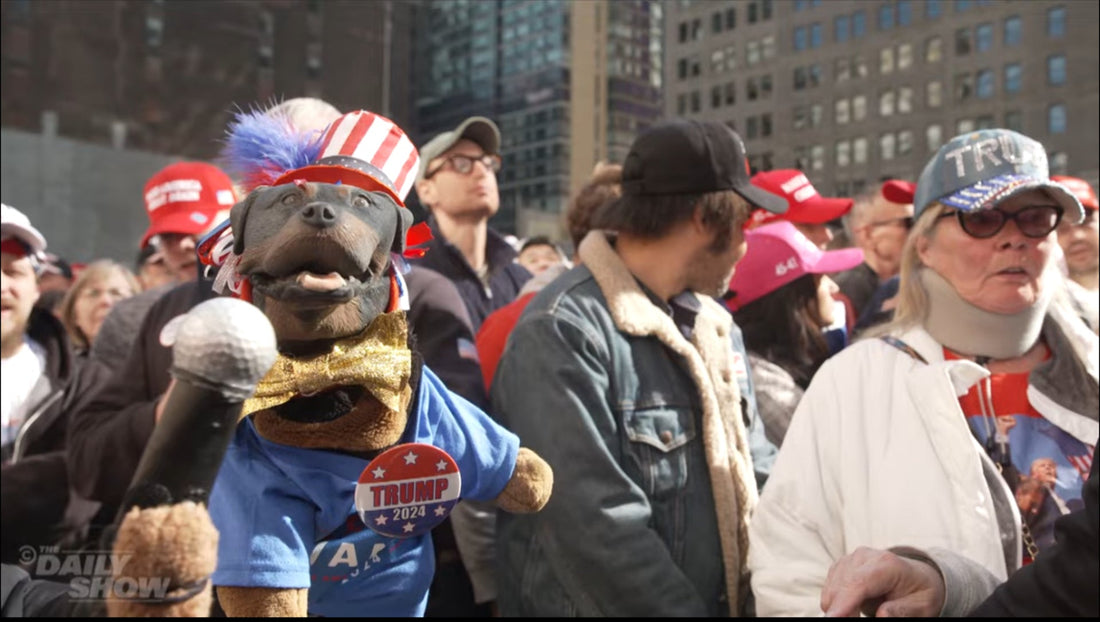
<point x="85" y="198"/>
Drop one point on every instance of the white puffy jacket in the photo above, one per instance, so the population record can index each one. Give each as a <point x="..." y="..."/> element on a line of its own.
<point x="879" y="454"/>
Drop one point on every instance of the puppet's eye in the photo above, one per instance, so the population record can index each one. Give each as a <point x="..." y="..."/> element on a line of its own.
<point x="290" y="199"/>
<point x="360" y="201"/>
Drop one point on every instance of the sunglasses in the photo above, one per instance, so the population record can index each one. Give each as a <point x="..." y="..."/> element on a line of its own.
<point x="463" y="164"/>
<point x="1034" y="221"/>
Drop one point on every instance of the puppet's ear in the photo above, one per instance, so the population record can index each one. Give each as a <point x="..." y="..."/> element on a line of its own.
<point x="238" y="216"/>
<point x="405" y="220"/>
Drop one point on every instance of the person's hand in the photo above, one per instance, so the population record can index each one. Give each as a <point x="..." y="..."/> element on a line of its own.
<point x="163" y="398"/>
<point x="882" y="584"/>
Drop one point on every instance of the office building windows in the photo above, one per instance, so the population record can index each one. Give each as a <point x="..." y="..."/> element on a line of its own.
<point x="817" y="157"/>
<point x="886" y="61"/>
<point x="935" y="94"/>
<point x="859" y="108"/>
<point x="731" y="93"/>
<point x="715" y="96"/>
<point x="716" y="23"/>
<point x="1014" y="31"/>
<point x="731" y="18"/>
<point x="843" y="153"/>
<point x="905" y="142"/>
<point x="1056" y="22"/>
<point x="984" y="122"/>
<point x="984" y="84"/>
<point x="962" y="126"/>
<point x="751" y="129"/>
<point x="886" y="103"/>
<point x="886" y="146"/>
<point x="859" y="67"/>
<point x="1014" y="120"/>
<point x="885" y="17"/>
<point x="695" y="101"/>
<point x="905" y="56"/>
<point x="1056" y="119"/>
<point x="842" y="69"/>
<point x="934" y="135"/>
<point x="859" y="150"/>
<point x="800" y="38"/>
<point x="859" y="24"/>
<point x="752" y="52"/>
<point x="815" y="35"/>
<point x="1014" y="75"/>
<point x="1056" y="70"/>
<point x="681" y="104"/>
<point x="962" y="5"/>
<point x="767" y="46"/>
<point x="933" y="9"/>
<point x="842" y="111"/>
<point x="683" y="32"/>
<point x="905" y="12"/>
<point x="964" y="87"/>
<point x="905" y="100"/>
<point x="933" y="50"/>
<point x="962" y="42"/>
<point x="766" y="9"/>
<point x="817" y="113"/>
<point x="983" y="37"/>
<point x="842" y="26"/>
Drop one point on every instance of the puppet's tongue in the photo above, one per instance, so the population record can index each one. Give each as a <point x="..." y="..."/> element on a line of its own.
<point x="321" y="282"/>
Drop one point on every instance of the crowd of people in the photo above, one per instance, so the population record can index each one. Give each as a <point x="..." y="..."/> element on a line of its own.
<point x="755" y="400"/>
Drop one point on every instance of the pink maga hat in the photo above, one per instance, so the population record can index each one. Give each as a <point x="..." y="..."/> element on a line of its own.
<point x="778" y="254"/>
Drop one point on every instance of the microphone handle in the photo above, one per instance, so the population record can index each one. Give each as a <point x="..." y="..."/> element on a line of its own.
<point x="186" y="449"/>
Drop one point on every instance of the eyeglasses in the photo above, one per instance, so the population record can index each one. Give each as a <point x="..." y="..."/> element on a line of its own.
<point x="463" y="164"/>
<point x="905" y="221"/>
<point x="1034" y="221"/>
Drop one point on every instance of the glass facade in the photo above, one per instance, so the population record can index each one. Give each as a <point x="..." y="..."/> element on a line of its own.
<point x="510" y="61"/>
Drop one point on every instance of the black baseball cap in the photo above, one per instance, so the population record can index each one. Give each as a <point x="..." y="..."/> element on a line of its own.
<point x="687" y="156"/>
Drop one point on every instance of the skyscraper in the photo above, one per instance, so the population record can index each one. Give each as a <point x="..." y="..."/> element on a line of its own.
<point x="569" y="84"/>
<point x="852" y="91"/>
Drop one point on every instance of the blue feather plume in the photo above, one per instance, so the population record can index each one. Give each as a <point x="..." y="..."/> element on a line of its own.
<point x="260" y="147"/>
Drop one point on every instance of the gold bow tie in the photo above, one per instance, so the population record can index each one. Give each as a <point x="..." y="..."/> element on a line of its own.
<point x="378" y="359"/>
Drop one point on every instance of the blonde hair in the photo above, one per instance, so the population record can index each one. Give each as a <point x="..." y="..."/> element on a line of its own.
<point x="96" y="270"/>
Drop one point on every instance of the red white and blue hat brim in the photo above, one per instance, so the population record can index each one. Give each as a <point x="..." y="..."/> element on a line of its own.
<point x="988" y="193"/>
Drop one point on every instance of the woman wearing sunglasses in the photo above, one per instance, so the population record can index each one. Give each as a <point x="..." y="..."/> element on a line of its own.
<point x="919" y="436"/>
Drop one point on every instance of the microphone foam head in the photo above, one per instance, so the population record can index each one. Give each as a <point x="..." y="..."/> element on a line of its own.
<point x="225" y="343"/>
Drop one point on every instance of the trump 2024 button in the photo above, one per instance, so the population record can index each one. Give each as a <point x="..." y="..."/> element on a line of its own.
<point x="407" y="490"/>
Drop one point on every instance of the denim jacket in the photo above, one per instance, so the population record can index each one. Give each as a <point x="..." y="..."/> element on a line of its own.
<point x="644" y="432"/>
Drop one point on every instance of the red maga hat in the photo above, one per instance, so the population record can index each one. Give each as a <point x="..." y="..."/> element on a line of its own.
<point x="804" y="203"/>
<point x="186" y="198"/>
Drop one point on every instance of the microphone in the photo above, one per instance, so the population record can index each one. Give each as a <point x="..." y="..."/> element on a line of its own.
<point x="221" y="349"/>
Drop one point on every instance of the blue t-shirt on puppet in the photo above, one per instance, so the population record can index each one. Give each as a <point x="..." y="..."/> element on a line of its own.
<point x="287" y="516"/>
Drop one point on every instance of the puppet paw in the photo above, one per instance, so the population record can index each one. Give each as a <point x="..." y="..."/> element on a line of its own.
<point x="530" y="486"/>
<point x="172" y="551"/>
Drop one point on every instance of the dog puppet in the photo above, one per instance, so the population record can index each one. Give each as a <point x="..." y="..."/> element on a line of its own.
<point x="318" y="252"/>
